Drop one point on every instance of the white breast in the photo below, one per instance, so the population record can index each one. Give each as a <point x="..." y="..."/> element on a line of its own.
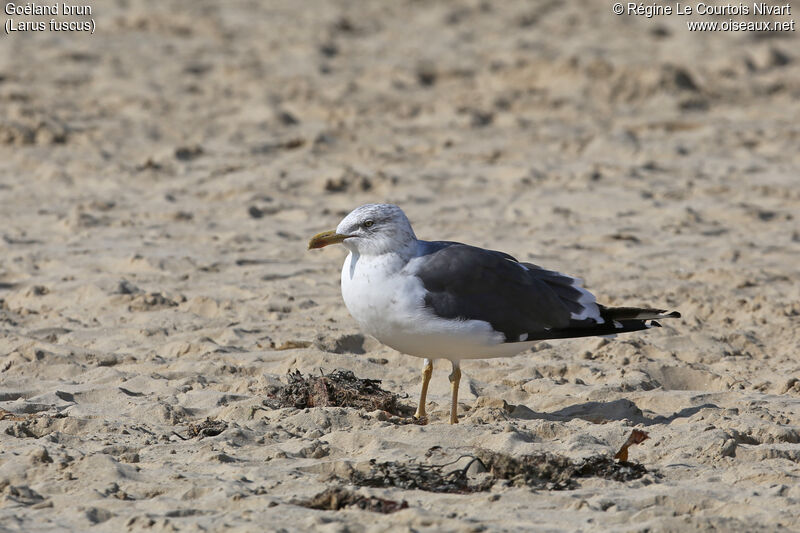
<point x="376" y="295"/>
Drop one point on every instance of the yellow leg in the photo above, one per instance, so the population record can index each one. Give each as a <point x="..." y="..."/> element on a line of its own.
<point x="427" y="372"/>
<point x="455" y="377"/>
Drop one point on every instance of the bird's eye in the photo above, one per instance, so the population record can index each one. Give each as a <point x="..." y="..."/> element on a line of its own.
<point x="369" y="223"/>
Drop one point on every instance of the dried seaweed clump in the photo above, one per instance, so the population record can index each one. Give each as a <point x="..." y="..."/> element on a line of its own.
<point x="556" y="472"/>
<point x="542" y="471"/>
<point x="606" y="468"/>
<point x="207" y="428"/>
<point x="412" y="475"/>
<point x="336" y="498"/>
<point x="340" y="388"/>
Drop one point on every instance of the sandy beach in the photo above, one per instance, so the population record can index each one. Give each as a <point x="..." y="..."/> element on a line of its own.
<point x="159" y="181"/>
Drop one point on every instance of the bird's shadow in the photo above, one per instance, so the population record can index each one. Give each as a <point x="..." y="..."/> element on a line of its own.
<point x="600" y="412"/>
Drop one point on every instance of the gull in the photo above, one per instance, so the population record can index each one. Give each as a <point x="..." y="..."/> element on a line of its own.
<point x="448" y="300"/>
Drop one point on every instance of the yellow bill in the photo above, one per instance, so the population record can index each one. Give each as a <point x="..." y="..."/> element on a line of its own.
<point x="320" y="240"/>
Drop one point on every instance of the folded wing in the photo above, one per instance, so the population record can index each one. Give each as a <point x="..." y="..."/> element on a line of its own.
<point x="521" y="300"/>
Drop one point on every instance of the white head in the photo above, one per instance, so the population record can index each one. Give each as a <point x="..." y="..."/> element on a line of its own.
<point x="372" y="229"/>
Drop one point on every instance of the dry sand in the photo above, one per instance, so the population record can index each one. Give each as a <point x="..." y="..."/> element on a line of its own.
<point x="159" y="181"/>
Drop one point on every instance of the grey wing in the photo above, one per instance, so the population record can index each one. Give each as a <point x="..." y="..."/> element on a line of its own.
<point x="521" y="300"/>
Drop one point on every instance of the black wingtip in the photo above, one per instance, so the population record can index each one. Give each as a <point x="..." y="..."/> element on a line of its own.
<point x="673" y="314"/>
